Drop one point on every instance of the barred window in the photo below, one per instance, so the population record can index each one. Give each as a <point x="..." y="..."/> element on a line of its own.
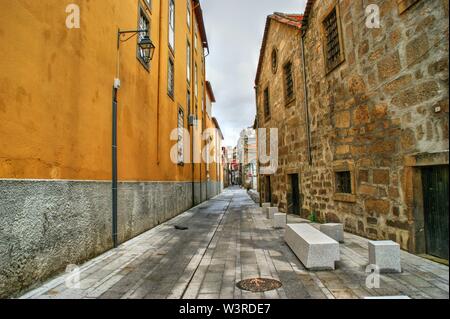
<point x="266" y="103"/>
<point x="333" y="48"/>
<point x="289" y="82"/>
<point x="171" y="78"/>
<point x="180" y="136"/>
<point x="344" y="182"/>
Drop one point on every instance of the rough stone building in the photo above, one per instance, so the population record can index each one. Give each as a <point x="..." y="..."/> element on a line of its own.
<point x="374" y="121"/>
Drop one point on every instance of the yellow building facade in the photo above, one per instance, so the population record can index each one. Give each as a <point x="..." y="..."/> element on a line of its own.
<point x="56" y="115"/>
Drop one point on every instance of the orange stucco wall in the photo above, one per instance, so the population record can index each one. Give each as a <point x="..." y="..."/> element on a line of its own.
<point x="56" y="87"/>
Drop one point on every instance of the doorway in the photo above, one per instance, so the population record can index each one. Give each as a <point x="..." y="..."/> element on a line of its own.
<point x="435" y="202"/>
<point x="294" y="195"/>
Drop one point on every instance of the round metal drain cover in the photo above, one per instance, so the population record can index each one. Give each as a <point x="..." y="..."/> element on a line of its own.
<point x="259" y="284"/>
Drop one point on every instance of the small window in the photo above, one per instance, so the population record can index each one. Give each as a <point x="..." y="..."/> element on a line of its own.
<point x="188" y="61"/>
<point x="195" y="81"/>
<point x="188" y="102"/>
<point x="344" y="182"/>
<point x="188" y="16"/>
<point x="144" y="24"/>
<point x="172" y="24"/>
<point x="171" y="78"/>
<point x="334" y="54"/>
<point x="289" y="83"/>
<point x="266" y="103"/>
<point x="274" y="61"/>
<point x="180" y="136"/>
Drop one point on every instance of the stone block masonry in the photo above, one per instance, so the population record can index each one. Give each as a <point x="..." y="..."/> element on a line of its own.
<point x="375" y="119"/>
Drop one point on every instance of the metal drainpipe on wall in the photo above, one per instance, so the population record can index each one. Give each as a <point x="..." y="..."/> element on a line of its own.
<point x="305" y="91"/>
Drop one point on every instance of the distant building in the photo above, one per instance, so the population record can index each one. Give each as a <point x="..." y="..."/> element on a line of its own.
<point x="246" y="153"/>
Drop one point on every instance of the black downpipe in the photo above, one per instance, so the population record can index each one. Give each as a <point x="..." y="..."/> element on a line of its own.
<point x="114" y="168"/>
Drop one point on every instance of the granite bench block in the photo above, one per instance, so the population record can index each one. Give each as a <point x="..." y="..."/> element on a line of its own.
<point x="271" y="211"/>
<point x="386" y="255"/>
<point x="335" y="231"/>
<point x="315" y="250"/>
<point x="279" y="220"/>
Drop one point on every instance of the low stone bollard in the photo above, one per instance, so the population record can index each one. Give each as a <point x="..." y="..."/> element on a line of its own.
<point x="271" y="211"/>
<point x="385" y="254"/>
<point x="264" y="207"/>
<point x="335" y="231"/>
<point x="279" y="220"/>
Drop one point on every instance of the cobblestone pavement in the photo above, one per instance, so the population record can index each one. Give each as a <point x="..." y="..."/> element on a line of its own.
<point x="228" y="240"/>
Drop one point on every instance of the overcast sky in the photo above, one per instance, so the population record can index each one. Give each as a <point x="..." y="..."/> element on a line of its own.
<point x="235" y="29"/>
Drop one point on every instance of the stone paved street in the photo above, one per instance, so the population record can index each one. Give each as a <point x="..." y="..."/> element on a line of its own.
<point x="229" y="239"/>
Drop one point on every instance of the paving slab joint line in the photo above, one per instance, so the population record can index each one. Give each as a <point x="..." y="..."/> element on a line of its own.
<point x="207" y="247"/>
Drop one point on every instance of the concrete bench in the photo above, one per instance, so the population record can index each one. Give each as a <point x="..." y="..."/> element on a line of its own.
<point x="279" y="220"/>
<point x="335" y="231"/>
<point x="315" y="250"/>
<point x="271" y="211"/>
<point x="385" y="254"/>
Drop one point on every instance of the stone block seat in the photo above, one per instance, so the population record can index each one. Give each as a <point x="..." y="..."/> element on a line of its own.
<point x="335" y="231"/>
<point x="271" y="211"/>
<point x="279" y="220"/>
<point x="386" y="255"/>
<point x="315" y="250"/>
<point x="264" y="207"/>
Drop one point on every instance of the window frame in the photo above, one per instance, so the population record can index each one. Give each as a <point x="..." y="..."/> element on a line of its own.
<point x="171" y="62"/>
<point x="344" y="166"/>
<point x="288" y="100"/>
<point x="188" y="61"/>
<point x="142" y="13"/>
<point x="148" y="4"/>
<point x="266" y="102"/>
<point x="274" y="67"/>
<point x="170" y="28"/>
<point x="189" y="14"/>
<point x="331" y="68"/>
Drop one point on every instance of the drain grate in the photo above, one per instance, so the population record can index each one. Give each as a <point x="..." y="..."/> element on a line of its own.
<point x="259" y="284"/>
<point x="181" y="227"/>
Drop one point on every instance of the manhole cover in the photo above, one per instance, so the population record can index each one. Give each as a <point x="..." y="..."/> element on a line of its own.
<point x="259" y="284"/>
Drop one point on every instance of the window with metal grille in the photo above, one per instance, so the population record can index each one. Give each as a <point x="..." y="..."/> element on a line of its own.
<point x="171" y="78"/>
<point x="144" y="24"/>
<point x="289" y="82"/>
<point x="180" y="136"/>
<point x="266" y="103"/>
<point x="344" y="182"/>
<point x="333" y="49"/>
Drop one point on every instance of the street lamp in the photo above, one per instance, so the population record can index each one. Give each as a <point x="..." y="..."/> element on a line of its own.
<point x="147" y="49"/>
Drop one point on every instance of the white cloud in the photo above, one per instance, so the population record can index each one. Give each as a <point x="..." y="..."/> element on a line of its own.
<point x="235" y="29"/>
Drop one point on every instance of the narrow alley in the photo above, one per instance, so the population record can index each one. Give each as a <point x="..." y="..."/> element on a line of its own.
<point x="228" y="239"/>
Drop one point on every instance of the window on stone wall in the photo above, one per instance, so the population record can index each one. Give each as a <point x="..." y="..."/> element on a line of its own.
<point x="274" y="61"/>
<point x="289" y="83"/>
<point x="344" y="182"/>
<point x="333" y="47"/>
<point x="266" y="104"/>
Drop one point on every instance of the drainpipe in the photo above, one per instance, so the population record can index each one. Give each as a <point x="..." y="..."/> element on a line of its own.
<point x="158" y="134"/>
<point x="305" y="91"/>
<point x="114" y="168"/>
